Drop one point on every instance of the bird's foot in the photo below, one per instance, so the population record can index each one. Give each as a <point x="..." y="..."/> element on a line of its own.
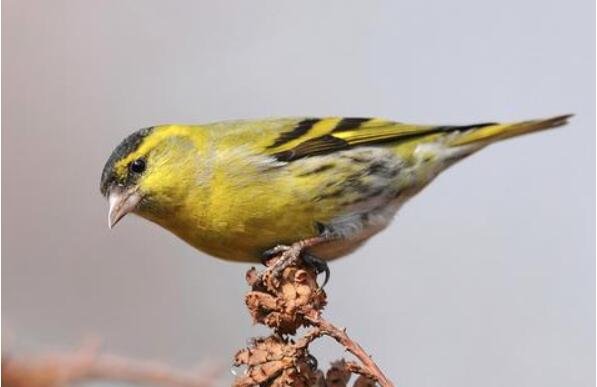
<point x="287" y="255"/>
<point x="268" y="257"/>
<point x="280" y="257"/>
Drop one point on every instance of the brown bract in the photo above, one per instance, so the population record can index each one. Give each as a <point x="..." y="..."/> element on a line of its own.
<point x="278" y="361"/>
<point x="282" y="303"/>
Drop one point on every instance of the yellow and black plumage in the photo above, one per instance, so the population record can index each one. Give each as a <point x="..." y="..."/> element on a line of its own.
<point x="234" y="189"/>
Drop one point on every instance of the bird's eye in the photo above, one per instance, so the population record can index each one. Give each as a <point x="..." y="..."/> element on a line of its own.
<point x="137" y="166"/>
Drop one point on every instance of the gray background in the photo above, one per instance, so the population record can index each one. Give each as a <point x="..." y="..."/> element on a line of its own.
<point x="487" y="277"/>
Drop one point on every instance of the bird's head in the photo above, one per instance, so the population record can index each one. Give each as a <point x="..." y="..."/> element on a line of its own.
<point x="149" y="172"/>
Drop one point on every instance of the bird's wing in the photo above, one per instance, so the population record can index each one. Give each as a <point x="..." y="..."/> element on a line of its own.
<point x="313" y="136"/>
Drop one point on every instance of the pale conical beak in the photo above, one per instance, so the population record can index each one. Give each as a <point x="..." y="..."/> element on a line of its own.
<point x="122" y="201"/>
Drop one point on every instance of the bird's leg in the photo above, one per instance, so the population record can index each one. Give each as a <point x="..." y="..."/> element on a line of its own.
<point x="289" y="254"/>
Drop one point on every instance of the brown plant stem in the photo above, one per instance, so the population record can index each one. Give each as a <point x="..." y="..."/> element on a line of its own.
<point x="368" y="368"/>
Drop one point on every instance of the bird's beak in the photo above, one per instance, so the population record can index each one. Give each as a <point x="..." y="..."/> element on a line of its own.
<point x="122" y="201"/>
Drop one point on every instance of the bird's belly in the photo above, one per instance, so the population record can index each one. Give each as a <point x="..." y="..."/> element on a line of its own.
<point x="248" y="234"/>
<point x="244" y="232"/>
<point x="356" y="230"/>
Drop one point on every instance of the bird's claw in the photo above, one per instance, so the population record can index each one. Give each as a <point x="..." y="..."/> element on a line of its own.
<point x="318" y="265"/>
<point x="287" y="255"/>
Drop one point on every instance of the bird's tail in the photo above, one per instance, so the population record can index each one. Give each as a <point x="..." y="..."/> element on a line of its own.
<point x="494" y="132"/>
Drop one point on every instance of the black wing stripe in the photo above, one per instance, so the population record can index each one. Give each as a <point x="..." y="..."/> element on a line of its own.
<point x="462" y="128"/>
<point x="350" y="123"/>
<point x="315" y="146"/>
<point x="433" y="130"/>
<point x="299" y="130"/>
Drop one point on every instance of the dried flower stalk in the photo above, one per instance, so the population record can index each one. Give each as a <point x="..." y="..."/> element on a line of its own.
<point x="284" y="304"/>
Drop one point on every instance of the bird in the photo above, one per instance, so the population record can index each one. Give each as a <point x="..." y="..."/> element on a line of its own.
<point x="318" y="188"/>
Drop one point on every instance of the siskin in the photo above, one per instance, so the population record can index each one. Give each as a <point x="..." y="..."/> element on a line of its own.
<point x="236" y="189"/>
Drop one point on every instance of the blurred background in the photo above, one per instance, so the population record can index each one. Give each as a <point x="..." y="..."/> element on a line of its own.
<point x="486" y="278"/>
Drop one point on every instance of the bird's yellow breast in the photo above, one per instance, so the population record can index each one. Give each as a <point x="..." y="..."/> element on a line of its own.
<point x="240" y="204"/>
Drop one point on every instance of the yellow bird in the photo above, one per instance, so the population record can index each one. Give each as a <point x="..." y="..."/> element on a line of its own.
<point x="237" y="189"/>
